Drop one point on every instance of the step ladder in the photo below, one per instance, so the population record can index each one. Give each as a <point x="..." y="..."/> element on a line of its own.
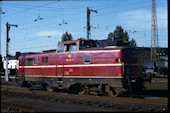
<point x="60" y="82"/>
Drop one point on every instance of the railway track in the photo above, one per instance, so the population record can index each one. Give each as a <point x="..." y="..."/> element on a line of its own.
<point x="156" y="83"/>
<point x="120" y="103"/>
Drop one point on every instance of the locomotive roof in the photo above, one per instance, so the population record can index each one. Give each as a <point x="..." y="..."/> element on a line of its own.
<point x="37" y="54"/>
<point x="84" y="49"/>
<point x="73" y="41"/>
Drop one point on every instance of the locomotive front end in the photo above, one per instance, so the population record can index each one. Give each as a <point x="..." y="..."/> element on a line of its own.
<point x="132" y="69"/>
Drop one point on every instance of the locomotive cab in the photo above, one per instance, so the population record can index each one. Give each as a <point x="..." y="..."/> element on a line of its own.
<point x="71" y="46"/>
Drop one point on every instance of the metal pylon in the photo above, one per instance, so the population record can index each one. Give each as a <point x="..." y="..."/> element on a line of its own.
<point x="154" y="51"/>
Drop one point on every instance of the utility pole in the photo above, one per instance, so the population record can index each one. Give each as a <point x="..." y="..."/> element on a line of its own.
<point x="88" y="21"/>
<point x="1" y="64"/>
<point x="7" y="41"/>
<point x="154" y="51"/>
<point x="0" y="26"/>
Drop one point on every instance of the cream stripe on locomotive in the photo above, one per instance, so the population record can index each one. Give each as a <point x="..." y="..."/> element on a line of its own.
<point x="81" y="65"/>
<point x="75" y="76"/>
<point x="97" y="51"/>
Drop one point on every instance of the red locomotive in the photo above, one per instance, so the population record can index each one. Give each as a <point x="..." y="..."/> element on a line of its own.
<point x="82" y="67"/>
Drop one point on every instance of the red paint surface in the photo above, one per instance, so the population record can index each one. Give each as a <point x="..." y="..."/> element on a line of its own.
<point x="98" y="56"/>
<point x="55" y="59"/>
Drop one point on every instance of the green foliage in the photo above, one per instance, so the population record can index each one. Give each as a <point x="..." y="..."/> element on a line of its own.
<point x="132" y="43"/>
<point x="59" y="42"/>
<point x="120" y="34"/>
<point x="66" y="37"/>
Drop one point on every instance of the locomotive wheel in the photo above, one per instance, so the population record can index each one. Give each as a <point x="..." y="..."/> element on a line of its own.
<point x="82" y="92"/>
<point x="20" y="81"/>
<point x="49" y="89"/>
<point x="112" y="92"/>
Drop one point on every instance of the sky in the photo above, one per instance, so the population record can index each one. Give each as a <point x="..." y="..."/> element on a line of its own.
<point x="134" y="16"/>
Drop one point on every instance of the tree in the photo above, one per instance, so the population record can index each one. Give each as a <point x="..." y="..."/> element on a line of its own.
<point x="132" y="43"/>
<point x="66" y="37"/>
<point x="120" y="34"/>
<point x="59" y="42"/>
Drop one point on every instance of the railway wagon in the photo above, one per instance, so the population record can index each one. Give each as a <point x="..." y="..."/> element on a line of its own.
<point x="12" y="66"/>
<point x="81" y="67"/>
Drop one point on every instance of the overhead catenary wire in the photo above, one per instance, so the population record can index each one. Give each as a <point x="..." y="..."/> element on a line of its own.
<point x="31" y="8"/>
<point x="128" y="9"/>
<point x="68" y="20"/>
<point x="125" y="10"/>
<point x="39" y="27"/>
<point x="99" y="15"/>
<point x="107" y="13"/>
<point x="32" y="39"/>
<point x="53" y="24"/>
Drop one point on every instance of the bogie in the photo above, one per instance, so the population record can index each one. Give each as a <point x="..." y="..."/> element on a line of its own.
<point x="49" y="88"/>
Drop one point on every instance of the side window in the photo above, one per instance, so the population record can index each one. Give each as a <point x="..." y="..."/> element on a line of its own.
<point x="87" y="58"/>
<point x="61" y="48"/>
<point x="29" y="62"/>
<point x="74" y="47"/>
<point x="44" y="59"/>
<point x="36" y="61"/>
<point x="85" y="44"/>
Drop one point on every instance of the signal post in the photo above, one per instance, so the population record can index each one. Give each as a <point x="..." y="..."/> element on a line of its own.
<point x="7" y="41"/>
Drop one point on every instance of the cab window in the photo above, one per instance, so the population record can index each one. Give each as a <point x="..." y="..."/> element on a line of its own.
<point x="61" y="48"/>
<point x="71" y="47"/>
<point x="74" y="47"/>
<point x="86" y="44"/>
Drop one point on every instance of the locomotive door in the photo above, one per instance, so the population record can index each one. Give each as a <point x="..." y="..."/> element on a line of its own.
<point x="60" y="67"/>
<point x="66" y="56"/>
<point x="60" y="61"/>
<point x="21" y="78"/>
<point x="70" y="59"/>
<point x="23" y="64"/>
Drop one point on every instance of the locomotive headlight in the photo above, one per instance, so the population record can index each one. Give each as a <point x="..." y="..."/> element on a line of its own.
<point x="118" y="60"/>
